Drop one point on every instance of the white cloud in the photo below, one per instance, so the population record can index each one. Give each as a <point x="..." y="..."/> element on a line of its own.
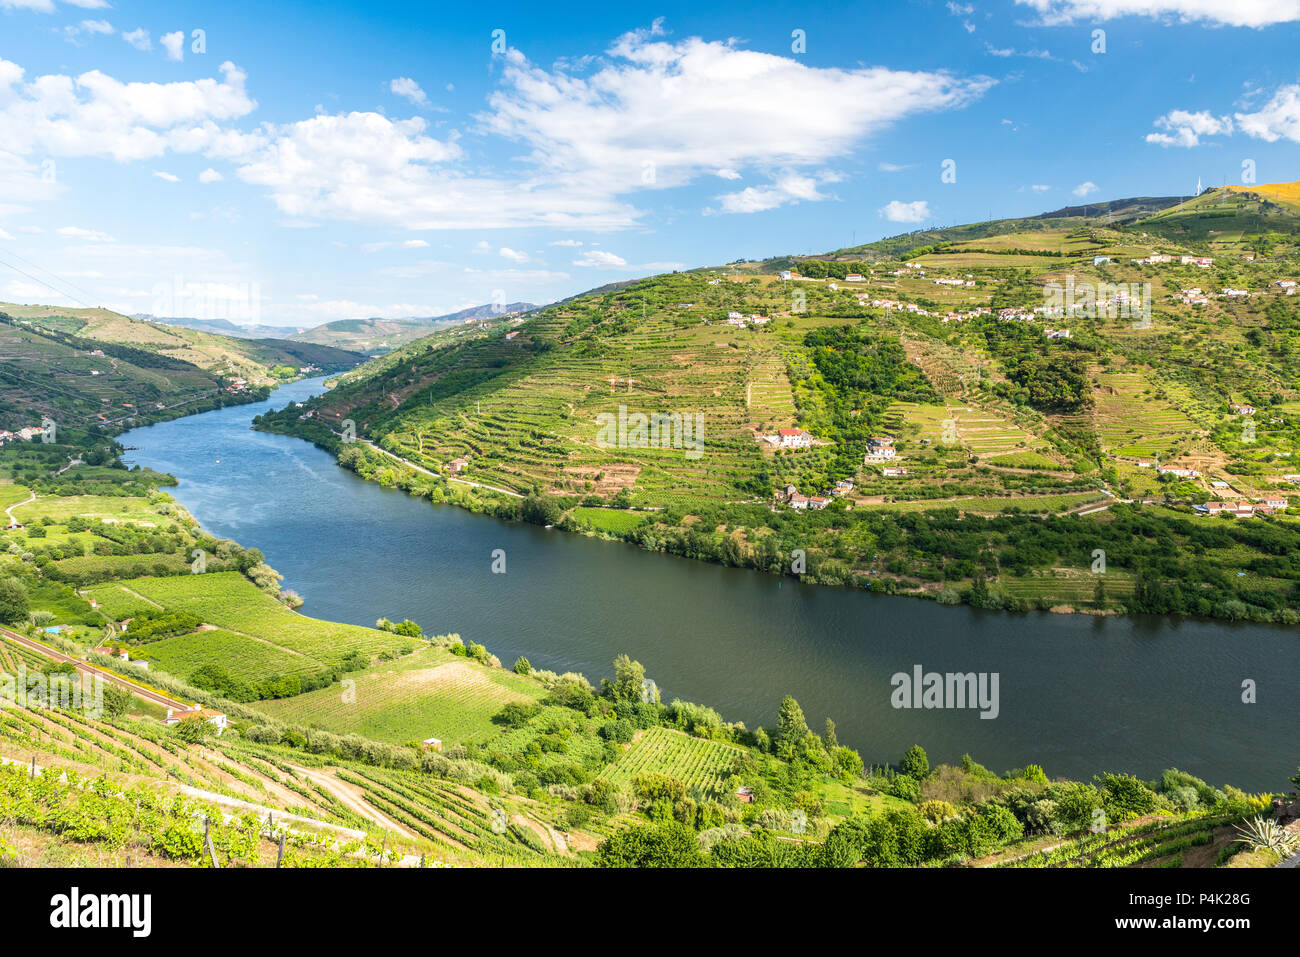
<point x="47" y="6"/>
<point x="174" y="43"/>
<point x="73" y="31"/>
<point x="406" y="87"/>
<point x="5" y="235"/>
<point x="1186" y="129"/>
<point x="697" y="107"/>
<point x="897" y="211"/>
<point x="600" y="259"/>
<point x="1277" y="119"/>
<point x="1038" y="188"/>
<point x="652" y="114"/>
<point x="892" y="167"/>
<point x="1239" y="13"/>
<point x="210" y="176"/>
<point x="96" y="115"/>
<point x="566" y="242"/>
<point x="170" y="177"/>
<point x="1084" y="189"/>
<point x="788" y="189"/>
<point x="138" y="38"/>
<point x="391" y="245"/>
<point x="1034" y="54"/>
<point x="514" y="255"/>
<point x="87" y="235"/>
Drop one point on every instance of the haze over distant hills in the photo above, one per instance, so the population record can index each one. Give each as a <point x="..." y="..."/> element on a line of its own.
<point x="363" y="335"/>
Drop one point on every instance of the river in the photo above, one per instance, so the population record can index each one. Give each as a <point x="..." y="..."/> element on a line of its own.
<point x="1077" y="694"/>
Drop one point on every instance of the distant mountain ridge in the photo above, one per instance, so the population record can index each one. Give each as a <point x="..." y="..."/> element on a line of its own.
<point x="381" y="335"/>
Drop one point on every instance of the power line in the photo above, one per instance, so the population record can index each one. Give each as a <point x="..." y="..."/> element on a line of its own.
<point x="48" y="272"/>
<point x="37" y="279"/>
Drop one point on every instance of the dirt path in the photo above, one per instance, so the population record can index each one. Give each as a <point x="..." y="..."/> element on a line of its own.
<point x="10" y="510"/>
<point x="353" y="798"/>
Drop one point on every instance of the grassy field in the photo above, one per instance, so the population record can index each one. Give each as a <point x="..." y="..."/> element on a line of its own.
<point x="240" y="655"/>
<point x="431" y="694"/>
<point x="609" y="520"/>
<point x="230" y="601"/>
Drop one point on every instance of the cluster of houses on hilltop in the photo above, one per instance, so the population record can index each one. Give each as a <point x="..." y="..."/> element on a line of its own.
<point x="1178" y="473"/>
<point x="865" y="300"/>
<point x="880" y="448"/>
<point x="1156" y="259"/>
<point x="25" y="434"/>
<point x="815" y="502"/>
<point x="740" y="319"/>
<point x="1244" y="509"/>
<point x="804" y="502"/>
<point x="237" y="385"/>
<point x="1192" y="297"/>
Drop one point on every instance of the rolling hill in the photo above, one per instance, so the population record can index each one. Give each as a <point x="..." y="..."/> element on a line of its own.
<point x="249" y="359"/>
<point x="1037" y="372"/>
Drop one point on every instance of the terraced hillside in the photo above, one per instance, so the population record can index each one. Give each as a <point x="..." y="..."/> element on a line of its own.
<point x="1011" y="368"/>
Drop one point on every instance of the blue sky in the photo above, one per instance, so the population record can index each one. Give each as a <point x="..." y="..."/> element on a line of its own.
<point x="301" y="162"/>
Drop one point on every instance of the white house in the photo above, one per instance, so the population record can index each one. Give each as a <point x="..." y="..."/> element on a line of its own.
<point x="880" y="448"/>
<point x="197" y="712"/>
<point x="893" y="471"/>
<point x="793" y="439"/>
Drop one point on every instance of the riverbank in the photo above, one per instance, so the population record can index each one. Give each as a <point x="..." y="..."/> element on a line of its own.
<point x="1133" y="559"/>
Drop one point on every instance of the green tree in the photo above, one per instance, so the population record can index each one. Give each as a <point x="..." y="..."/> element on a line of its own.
<point x="829" y="738"/>
<point x="915" y="763"/>
<point x="791" y="728"/>
<point x="671" y="844"/>
<point x="14" y="603"/>
<point x="629" y="678"/>
<point x="117" y="700"/>
<point x="523" y="666"/>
